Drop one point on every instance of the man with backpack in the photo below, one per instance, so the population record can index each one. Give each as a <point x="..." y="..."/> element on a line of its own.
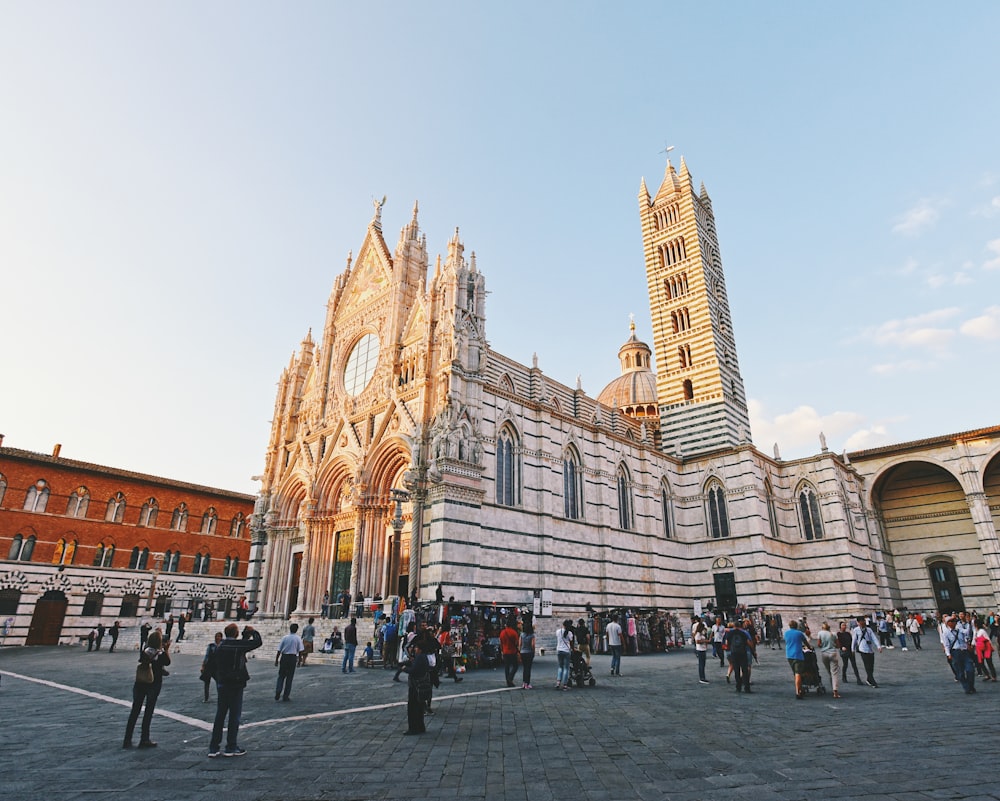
<point x="740" y="645"/>
<point x="231" y="677"/>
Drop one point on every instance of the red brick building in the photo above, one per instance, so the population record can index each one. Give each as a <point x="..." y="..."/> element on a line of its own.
<point x="82" y="544"/>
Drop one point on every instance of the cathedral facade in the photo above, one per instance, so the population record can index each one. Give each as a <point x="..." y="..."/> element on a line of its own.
<point x="406" y="453"/>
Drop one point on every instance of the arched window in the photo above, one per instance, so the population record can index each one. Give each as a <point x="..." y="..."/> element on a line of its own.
<point x="812" y="520"/>
<point x="201" y="563"/>
<point x="209" y="521"/>
<point x="772" y="512"/>
<point x="718" y="517"/>
<point x="147" y="515"/>
<point x="236" y="527"/>
<point x="21" y="548"/>
<point x="572" y="485"/>
<point x="3" y="491"/>
<point x="625" y="517"/>
<point x="79" y="501"/>
<point x="64" y="552"/>
<point x="232" y="566"/>
<point x="105" y="554"/>
<point x="116" y="509"/>
<point x="38" y="496"/>
<point x="508" y="470"/>
<point x="179" y="519"/>
<point x="665" y="509"/>
<point x="171" y="561"/>
<point x="688" y="389"/>
<point x="139" y="558"/>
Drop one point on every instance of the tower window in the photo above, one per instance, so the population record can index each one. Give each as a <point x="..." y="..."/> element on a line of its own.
<point x="508" y="470"/>
<point x="688" y="389"/>
<point x="625" y="517"/>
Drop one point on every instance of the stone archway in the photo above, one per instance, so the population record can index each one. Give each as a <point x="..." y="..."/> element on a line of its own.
<point x="924" y="511"/>
<point x="47" y="619"/>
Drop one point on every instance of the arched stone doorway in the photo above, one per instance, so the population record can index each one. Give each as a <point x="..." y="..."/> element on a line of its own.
<point x="47" y="620"/>
<point x="944" y="581"/>
<point x="924" y="512"/>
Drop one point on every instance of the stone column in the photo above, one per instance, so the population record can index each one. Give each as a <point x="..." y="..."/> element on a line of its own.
<point x="979" y="510"/>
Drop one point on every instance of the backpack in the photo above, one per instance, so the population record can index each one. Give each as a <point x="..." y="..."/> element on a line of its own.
<point x="230" y="666"/>
<point x="737" y="641"/>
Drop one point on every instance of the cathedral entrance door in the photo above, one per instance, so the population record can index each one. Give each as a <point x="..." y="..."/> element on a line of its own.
<point x="293" y="584"/>
<point x="47" y="621"/>
<point x="343" y="557"/>
<point x="725" y="591"/>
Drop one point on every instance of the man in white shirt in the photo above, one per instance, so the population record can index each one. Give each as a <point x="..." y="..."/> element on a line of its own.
<point x="286" y="659"/>
<point x="614" y="633"/>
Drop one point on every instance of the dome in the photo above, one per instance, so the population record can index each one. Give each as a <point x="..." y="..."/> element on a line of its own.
<point x="634" y="391"/>
<point x="637" y="388"/>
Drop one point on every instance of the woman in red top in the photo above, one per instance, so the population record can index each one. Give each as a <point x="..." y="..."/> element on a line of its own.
<point x="510" y="642"/>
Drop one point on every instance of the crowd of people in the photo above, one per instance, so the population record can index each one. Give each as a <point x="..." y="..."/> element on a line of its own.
<point x="426" y="651"/>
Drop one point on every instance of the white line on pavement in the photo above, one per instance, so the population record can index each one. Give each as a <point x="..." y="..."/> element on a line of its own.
<point x="205" y="726"/>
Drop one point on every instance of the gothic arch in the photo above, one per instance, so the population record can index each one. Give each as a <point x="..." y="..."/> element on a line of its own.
<point x="386" y="467"/>
<point x="290" y="498"/>
<point x="330" y="484"/>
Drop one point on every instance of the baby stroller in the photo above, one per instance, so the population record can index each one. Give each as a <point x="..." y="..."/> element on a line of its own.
<point x="811" y="678"/>
<point x="579" y="671"/>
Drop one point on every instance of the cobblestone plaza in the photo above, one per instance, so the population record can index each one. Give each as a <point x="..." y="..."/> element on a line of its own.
<point x="652" y="733"/>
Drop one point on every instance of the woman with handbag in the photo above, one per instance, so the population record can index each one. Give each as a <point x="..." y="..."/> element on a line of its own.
<point x="148" y="682"/>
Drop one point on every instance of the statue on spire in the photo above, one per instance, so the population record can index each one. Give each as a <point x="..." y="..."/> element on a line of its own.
<point x="377" y="219"/>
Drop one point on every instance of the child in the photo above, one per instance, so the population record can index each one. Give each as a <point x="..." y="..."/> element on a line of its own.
<point x="367" y="657"/>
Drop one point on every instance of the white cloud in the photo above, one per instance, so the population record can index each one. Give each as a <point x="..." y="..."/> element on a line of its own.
<point x="986" y="326"/>
<point x="991" y="209"/>
<point x="797" y="432"/>
<point x="957" y="278"/>
<point x="916" y="219"/>
<point x="994" y="247"/>
<point x="922" y="330"/>
<point x="866" y="438"/>
<point x="905" y="366"/>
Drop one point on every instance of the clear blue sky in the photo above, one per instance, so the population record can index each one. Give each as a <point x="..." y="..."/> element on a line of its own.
<point x="181" y="182"/>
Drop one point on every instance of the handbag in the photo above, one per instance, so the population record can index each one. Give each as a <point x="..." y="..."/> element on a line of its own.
<point x="144" y="673"/>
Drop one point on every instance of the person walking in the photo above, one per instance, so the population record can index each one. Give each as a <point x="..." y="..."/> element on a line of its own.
<point x="613" y="631"/>
<point x="700" y="635"/>
<point x="156" y="656"/>
<point x="509" y="643"/>
<point x="100" y="636"/>
<point x="718" y="632"/>
<point x="913" y="626"/>
<point x="285" y="660"/>
<point x="527" y="650"/>
<point x="564" y="651"/>
<point x="447" y="654"/>
<point x="170" y="627"/>
<point x="181" y="623"/>
<point x="350" y="645"/>
<point x="113" y="632"/>
<point x="308" y="637"/>
<point x="956" y="649"/>
<point x="828" y="651"/>
<point x="864" y="642"/>
<point x="144" y="630"/>
<point x="795" y="644"/>
<point x="741" y="646"/>
<point x="208" y="663"/>
<point x="984" y="654"/>
<point x="845" y="645"/>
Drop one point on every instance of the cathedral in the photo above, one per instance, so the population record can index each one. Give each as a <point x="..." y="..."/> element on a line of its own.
<point x="407" y="455"/>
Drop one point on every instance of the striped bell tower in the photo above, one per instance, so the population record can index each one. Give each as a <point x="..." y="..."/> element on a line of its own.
<point x="702" y="403"/>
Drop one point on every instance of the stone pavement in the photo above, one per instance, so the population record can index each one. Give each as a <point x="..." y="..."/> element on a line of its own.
<point x="653" y="733"/>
